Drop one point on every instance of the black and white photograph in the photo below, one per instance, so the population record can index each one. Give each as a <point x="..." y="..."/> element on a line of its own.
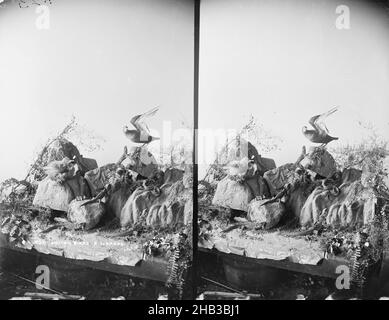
<point x="293" y="147"/>
<point x="193" y="155"/>
<point x="96" y="137"/>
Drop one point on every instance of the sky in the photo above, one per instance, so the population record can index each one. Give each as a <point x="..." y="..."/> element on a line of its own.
<point x="285" y="61"/>
<point x="101" y="61"/>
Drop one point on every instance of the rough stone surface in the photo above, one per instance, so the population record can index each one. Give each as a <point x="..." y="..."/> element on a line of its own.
<point x="88" y="164"/>
<point x="87" y="216"/>
<point x="173" y="175"/>
<point x="268" y="163"/>
<point x="351" y="175"/>
<point x="117" y="200"/>
<point x="232" y="194"/>
<point x="98" y="178"/>
<point x="169" y="208"/>
<point x="56" y="151"/>
<point x="258" y="187"/>
<point x="11" y="187"/>
<point x="320" y="161"/>
<point x="296" y="200"/>
<point x="53" y="195"/>
<point x="281" y="176"/>
<point x="269" y="214"/>
<point x="141" y="161"/>
<point x="353" y="206"/>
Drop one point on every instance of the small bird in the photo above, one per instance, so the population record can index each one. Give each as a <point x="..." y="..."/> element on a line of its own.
<point x="320" y="133"/>
<point x="61" y="171"/>
<point x="142" y="132"/>
<point x="237" y="167"/>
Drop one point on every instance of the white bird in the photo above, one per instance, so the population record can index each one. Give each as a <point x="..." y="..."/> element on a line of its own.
<point x="320" y="134"/>
<point x="142" y="132"/>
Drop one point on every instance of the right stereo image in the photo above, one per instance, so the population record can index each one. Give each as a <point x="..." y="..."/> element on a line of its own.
<point x="293" y="200"/>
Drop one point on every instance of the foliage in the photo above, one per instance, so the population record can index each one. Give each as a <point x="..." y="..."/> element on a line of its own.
<point x="370" y="156"/>
<point x="179" y="263"/>
<point x="262" y="138"/>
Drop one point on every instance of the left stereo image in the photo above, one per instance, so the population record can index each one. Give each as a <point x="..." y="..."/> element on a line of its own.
<point x="96" y="140"/>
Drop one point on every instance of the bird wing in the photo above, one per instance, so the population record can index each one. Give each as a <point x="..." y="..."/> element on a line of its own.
<point x="138" y="121"/>
<point x="312" y="122"/>
<point x="319" y="121"/>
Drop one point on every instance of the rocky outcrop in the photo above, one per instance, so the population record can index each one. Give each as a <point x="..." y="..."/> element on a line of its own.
<point x="351" y="175"/>
<point x="295" y="201"/>
<point x="57" y="196"/>
<point x="164" y="207"/>
<point x="13" y="189"/>
<point x="268" y="214"/>
<point x="280" y="177"/>
<point x="232" y="194"/>
<point x="98" y="178"/>
<point x="142" y="161"/>
<point x="56" y="151"/>
<point x="85" y="217"/>
<point x="319" y="161"/>
<point x="350" y="206"/>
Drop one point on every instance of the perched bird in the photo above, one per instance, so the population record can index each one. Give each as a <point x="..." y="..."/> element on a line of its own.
<point x="237" y="167"/>
<point x="320" y="133"/>
<point x="61" y="171"/>
<point x="141" y="134"/>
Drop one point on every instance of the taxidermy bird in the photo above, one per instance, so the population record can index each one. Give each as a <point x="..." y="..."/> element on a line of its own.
<point x="141" y="133"/>
<point x="237" y="167"/>
<point x="320" y="133"/>
<point x="60" y="171"/>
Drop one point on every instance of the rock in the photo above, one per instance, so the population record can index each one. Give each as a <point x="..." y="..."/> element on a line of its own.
<point x="232" y="194"/>
<point x="117" y="200"/>
<point x="88" y="164"/>
<point x="87" y="216"/>
<point x="141" y="161"/>
<point x="269" y="164"/>
<point x="269" y="214"/>
<point x="258" y="187"/>
<point x="56" y="196"/>
<point x="56" y="151"/>
<point x="98" y="178"/>
<point x="296" y="200"/>
<point x="13" y="188"/>
<point x="173" y="175"/>
<point x="188" y="211"/>
<point x="320" y="161"/>
<point x="352" y="207"/>
<point x="280" y="177"/>
<point x="351" y="175"/>
<point x="60" y="149"/>
<point x="170" y="208"/>
<point x="386" y="169"/>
